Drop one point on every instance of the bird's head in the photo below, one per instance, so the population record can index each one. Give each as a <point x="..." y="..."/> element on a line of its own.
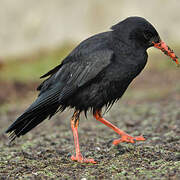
<point x="139" y="31"/>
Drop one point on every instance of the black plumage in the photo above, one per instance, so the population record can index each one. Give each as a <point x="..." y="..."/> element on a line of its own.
<point x="95" y="74"/>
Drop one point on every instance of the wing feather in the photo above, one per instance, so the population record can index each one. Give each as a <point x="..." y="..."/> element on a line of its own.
<point x="82" y="73"/>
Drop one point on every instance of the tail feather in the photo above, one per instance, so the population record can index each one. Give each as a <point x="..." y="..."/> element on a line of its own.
<point x="46" y="105"/>
<point x="30" y="119"/>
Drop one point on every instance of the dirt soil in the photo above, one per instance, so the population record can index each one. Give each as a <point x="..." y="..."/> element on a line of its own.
<point x="150" y="107"/>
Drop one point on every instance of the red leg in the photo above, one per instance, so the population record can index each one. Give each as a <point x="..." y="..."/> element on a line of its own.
<point x="74" y="126"/>
<point x="124" y="136"/>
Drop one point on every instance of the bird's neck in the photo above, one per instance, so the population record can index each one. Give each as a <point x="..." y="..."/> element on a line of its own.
<point x="128" y="52"/>
<point x="126" y="46"/>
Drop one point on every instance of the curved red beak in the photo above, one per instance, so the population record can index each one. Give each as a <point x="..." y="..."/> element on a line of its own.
<point x="167" y="50"/>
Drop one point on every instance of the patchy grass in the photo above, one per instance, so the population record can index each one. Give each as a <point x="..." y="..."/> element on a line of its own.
<point x="45" y="152"/>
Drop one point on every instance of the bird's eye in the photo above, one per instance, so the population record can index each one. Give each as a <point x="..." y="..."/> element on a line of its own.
<point x="148" y="35"/>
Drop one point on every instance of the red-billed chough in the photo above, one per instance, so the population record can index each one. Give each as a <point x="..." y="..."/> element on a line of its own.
<point x="95" y="74"/>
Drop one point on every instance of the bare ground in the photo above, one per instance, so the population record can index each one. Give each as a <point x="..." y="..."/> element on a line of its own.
<point x="150" y="107"/>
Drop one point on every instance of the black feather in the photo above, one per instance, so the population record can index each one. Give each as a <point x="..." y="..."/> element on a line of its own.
<point x="95" y="74"/>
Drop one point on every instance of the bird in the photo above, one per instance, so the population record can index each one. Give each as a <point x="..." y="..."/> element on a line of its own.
<point x="94" y="75"/>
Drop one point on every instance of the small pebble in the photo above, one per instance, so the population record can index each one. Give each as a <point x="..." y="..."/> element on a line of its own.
<point x="98" y="148"/>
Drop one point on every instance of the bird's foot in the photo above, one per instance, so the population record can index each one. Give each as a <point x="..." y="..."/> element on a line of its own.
<point x="79" y="158"/>
<point x="129" y="139"/>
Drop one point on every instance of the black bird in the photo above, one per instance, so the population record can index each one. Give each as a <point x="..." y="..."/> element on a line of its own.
<point x="95" y="74"/>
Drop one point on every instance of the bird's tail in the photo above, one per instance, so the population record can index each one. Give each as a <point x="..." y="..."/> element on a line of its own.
<point x="35" y="114"/>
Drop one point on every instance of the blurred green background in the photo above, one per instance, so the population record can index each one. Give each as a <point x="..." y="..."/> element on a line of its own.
<point x="35" y="36"/>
